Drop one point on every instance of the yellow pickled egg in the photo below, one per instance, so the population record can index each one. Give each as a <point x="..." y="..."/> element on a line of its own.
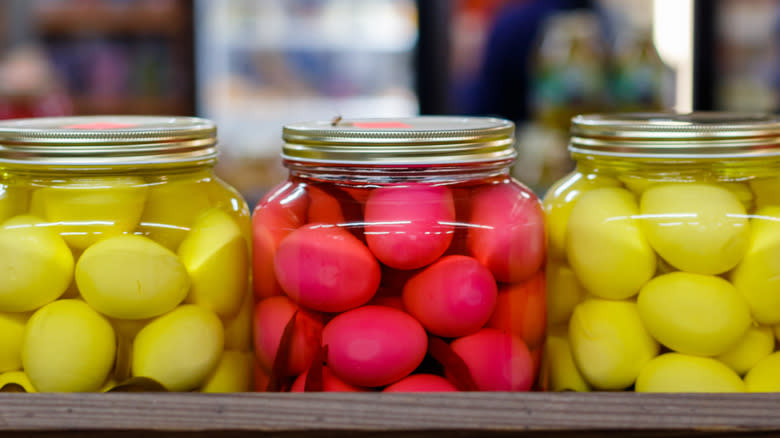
<point x="700" y="228"/>
<point x="564" y="292"/>
<point x="68" y="347"/>
<point x="605" y="245"/>
<point x="94" y="208"/>
<point x="131" y="277"/>
<point x="17" y="378"/>
<point x="765" y="375"/>
<point x="563" y="373"/>
<point x="36" y="266"/>
<point x="11" y="336"/>
<point x="238" y="329"/>
<point x="637" y="184"/>
<point x="609" y="343"/>
<point x="179" y="349"/>
<point x="758" y="343"/>
<point x="559" y="201"/>
<point x="757" y="277"/>
<point x="232" y="374"/>
<point x="675" y="372"/>
<point x="742" y="192"/>
<point x="766" y="191"/>
<point x="171" y="208"/>
<point x="694" y="314"/>
<point x="216" y="256"/>
<point x="13" y="201"/>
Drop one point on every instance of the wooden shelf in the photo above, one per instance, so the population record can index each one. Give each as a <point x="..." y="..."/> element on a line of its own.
<point x="431" y="415"/>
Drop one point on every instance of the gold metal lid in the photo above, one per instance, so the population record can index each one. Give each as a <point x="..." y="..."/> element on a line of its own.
<point x="698" y="135"/>
<point x="107" y="141"/>
<point x="426" y="140"/>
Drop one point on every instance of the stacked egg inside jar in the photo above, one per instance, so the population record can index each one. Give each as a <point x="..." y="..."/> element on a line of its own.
<point x="657" y="284"/>
<point x="405" y="286"/>
<point x="118" y="281"/>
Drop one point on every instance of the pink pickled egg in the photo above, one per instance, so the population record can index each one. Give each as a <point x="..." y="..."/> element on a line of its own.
<point x="330" y="383"/>
<point x="323" y="207"/>
<point x="325" y="268"/>
<point x="507" y="234"/>
<point x="276" y="216"/>
<point x="271" y="317"/>
<point x="261" y="378"/>
<point x="374" y="345"/>
<point x="394" y="302"/>
<point x="422" y="383"/>
<point x="522" y="309"/>
<point x="453" y="297"/>
<point x="409" y="226"/>
<point x="498" y="360"/>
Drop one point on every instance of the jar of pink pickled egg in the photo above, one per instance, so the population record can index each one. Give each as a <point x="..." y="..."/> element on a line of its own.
<point x="664" y="255"/>
<point x="399" y="255"/>
<point x="124" y="262"/>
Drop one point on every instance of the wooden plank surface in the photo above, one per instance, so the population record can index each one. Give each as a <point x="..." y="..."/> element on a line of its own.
<point x="311" y="415"/>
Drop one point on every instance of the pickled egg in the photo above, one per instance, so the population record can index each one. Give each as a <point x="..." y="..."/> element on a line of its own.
<point x="326" y="268"/>
<point x="216" y="257"/>
<point x="453" y="297"/>
<point x="605" y="245"/>
<point x="765" y="375"/>
<point x="179" y="349"/>
<point x="171" y="208"/>
<point x="88" y="209"/>
<point x="17" y="378"/>
<point x="330" y="383"/>
<point x="422" y="383"/>
<point x="497" y="360"/>
<point x="36" y="266"/>
<point x="699" y="228"/>
<point x="559" y="201"/>
<point x="277" y="215"/>
<point x="13" y="201"/>
<point x="674" y="372"/>
<point x="521" y="309"/>
<point x="766" y="190"/>
<point x="559" y="363"/>
<point x="323" y="207"/>
<point x="131" y="277"/>
<point x="232" y="374"/>
<point x="271" y="317"/>
<point x="11" y="336"/>
<point x="758" y="343"/>
<point x="506" y="231"/>
<point x="693" y="313"/>
<point x="608" y="342"/>
<point x="757" y="277"/>
<point x="564" y="292"/>
<point x="409" y="226"/>
<point x="68" y="347"/>
<point x="374" y="345"/>
<point x="238" y="329"/>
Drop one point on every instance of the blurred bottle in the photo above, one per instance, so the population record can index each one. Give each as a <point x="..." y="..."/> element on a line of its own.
<point x="637" y="78"/>
<point x="29" y="87"/>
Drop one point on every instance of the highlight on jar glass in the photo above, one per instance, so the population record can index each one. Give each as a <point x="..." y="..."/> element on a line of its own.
<point x="124" y="262"/>
<point x="399" y="255"/>
<point x="664" y="255"/>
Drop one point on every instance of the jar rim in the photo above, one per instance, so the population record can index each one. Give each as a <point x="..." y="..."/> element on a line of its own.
<point x="703" y="135"/>
<point x="107" y="141"/>
<point x="422" y="140"/>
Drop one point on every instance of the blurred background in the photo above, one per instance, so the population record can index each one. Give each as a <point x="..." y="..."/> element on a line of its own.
<point x="254" y="65"/>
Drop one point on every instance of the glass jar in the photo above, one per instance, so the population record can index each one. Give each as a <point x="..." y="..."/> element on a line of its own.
<point x="664" y="255"/>
<point x="399" y="256"/>
<point x="124" y="263"/>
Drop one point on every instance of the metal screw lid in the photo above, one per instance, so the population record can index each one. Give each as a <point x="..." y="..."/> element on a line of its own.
<point x="426" y="140"/>
<point x="107" y="141"/>
<point x="697" y="135"/>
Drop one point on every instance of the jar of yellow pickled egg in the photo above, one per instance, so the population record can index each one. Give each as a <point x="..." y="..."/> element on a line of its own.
<point x="664" y="255"/>
<point x="124" y="262"/>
